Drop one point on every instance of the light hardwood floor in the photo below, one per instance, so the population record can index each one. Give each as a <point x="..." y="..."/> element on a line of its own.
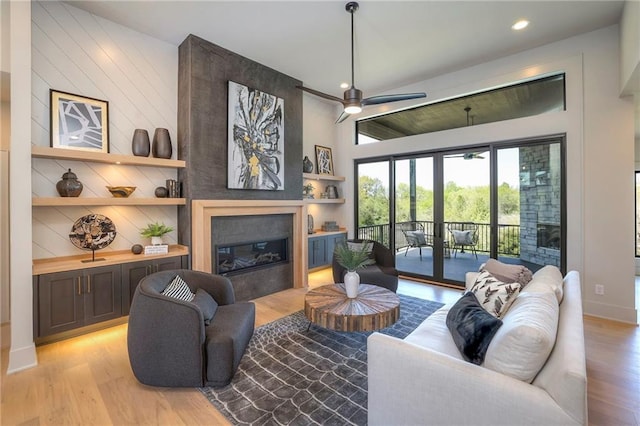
<point x="87" y="380"/>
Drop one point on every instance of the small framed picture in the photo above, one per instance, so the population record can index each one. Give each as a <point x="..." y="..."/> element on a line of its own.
<point x="78" y="122"/>
<point x="324" y="161"/>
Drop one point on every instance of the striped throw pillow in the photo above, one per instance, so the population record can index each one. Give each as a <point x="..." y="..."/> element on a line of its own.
<point x="178" y="289"/>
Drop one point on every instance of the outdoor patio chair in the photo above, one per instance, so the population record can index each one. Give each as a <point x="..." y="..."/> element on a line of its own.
<point x="463" y="234"/>
<point x="414" y="235"/>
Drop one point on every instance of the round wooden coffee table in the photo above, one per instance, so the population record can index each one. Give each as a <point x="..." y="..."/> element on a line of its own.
<point x="374" y="308"/>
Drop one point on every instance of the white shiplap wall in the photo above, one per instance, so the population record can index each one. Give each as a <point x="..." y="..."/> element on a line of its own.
<point x="74" y="51"/>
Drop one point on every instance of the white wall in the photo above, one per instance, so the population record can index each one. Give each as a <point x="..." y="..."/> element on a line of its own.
<point x="318" y="129"/>
<point x="600" y="157"/>
<point x="630" y="46"/>
<point x="74" y="51"/>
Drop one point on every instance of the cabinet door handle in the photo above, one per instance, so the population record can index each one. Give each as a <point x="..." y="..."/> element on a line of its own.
<point x="88" y="283"/>
<point x="79" y="286"/>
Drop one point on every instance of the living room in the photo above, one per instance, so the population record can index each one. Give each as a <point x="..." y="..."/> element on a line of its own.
<point x="598" y="122"/>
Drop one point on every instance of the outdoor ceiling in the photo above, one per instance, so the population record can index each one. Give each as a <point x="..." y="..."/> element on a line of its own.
<point x="397" y="42"/>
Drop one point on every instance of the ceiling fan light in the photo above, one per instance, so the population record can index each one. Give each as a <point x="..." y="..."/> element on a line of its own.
<point x="353" y="109"/>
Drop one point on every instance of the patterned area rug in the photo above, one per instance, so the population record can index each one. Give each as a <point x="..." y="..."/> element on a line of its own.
<point x="293" y="374"/>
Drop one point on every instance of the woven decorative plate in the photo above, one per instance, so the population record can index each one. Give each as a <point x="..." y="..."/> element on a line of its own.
<point x="92" y="232"/>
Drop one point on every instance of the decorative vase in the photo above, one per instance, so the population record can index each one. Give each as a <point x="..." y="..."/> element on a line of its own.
<point x="140" y="145"/>
<point x="162" y="144"/>
<point x="307" y="165"/>
<point x="156" y="241"/>
<point x="351" y="284"/>
<point x="69" y="186"/>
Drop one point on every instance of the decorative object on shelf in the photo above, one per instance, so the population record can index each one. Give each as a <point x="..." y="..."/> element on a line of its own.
<point x="78" y="122"/>
<point x="307" y="190"/>
<point x="92" y="232"/>
<point x="324" y="160"/>
<point x="162" y="144"/>
<point x="155" y="231"/>
<point x="69" y="186"/>
<point x="330" y="226"/>
<point x="307" y="165"/>
<point x="121" y="191"/>
<point x="352" y="259"/>
<point x="256" y="144"/>
<point x="140" y="145"/>
<point x="137" y="248"/>
<point x="156" y="249"/>
<point x="172" y="188"/>
<point x="161" y="192"/>
<point x="331" y="191"/>
<point x="310" y="229"/>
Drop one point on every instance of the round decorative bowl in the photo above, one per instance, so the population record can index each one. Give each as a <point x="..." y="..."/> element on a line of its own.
<point x="121" y="191"/>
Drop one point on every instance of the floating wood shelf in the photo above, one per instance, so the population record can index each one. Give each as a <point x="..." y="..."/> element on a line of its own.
<point x="79" y="201"/>
<point x="324" y="200"/>
<point x="100" y="157"/>
<point x="316" y="176"/>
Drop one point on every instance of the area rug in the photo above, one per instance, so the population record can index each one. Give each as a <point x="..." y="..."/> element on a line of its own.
<point x="293" y="374"/>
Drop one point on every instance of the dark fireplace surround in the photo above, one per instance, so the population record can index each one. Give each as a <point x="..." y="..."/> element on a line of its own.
<point x="205" y="70"/>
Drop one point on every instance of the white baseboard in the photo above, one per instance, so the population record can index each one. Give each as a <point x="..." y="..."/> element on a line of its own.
<point x="612" y="312"/>
<point x="22" y="358"/>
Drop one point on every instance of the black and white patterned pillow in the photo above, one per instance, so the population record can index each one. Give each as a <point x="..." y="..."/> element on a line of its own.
<point x="178" y="289"/>
<point x="494" y="295"/>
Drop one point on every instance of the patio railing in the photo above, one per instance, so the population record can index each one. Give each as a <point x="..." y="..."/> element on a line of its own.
<point x="508" y="236"/>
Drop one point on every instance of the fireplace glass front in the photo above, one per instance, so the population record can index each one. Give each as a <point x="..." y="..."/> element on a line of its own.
<point x="231" y="259"/>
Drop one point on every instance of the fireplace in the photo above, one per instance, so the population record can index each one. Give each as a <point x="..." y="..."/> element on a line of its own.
<point x="548" y="236"/>
<point x="217" y="224"/>
<point x="238" y="258"/>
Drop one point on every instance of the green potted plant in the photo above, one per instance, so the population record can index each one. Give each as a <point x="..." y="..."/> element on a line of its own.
<point x="352" y="258"/>
<point x="155" y="231"/>
<point x="307" y="190"/>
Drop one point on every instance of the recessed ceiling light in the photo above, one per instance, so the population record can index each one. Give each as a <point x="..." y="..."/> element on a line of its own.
<point x="344" y="85"/>
<point x="520" y="25"/>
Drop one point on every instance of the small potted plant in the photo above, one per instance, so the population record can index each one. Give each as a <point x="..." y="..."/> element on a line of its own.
<point x="307" y="190"/>
<point x="352" y="259"/>
<point x="155" y="231"/>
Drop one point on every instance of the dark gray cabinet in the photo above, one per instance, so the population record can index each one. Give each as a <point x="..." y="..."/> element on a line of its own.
<point x="133" y="272"/>
<point x="320" y="248"/>
<point x="73" y="299"/>
<point x="69" y="300"/>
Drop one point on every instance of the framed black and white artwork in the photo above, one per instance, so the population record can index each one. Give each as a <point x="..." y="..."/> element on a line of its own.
<point x="255" y="139"/>
<point x="78" y="122"/>
<point x="324" y="160"/>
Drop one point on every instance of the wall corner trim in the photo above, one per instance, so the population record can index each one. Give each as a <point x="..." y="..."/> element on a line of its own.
<point x="22" y="359"/>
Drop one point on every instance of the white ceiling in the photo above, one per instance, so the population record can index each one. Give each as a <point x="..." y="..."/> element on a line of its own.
<point x="397" y="42"/>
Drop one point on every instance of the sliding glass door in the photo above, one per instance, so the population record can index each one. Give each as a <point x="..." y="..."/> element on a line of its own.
<point x="447" y="212"/>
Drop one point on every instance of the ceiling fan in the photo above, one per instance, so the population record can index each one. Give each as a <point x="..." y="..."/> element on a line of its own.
<point x="468" y="155"/>
<point x="353" y="101"/>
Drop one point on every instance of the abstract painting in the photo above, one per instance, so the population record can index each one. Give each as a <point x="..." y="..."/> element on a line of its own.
<point x="78" y="122"/>
<point x="324" y="160"/>
<point x="256" y="139"/>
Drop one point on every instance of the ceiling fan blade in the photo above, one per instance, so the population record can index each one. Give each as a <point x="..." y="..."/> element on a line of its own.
<point x="343" y="116"/>
<point x="383" y="99"/>
<point x="322" y="95"/>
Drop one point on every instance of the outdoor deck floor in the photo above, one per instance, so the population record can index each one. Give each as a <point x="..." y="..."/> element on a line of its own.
<point x="455" y="266"/>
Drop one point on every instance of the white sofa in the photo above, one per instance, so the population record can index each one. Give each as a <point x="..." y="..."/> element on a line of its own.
<point x="423" y="379"/>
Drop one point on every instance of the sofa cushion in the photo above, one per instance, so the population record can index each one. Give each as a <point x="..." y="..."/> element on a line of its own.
<point x="419" y="237"/>
<point x="207" y="305"/>
<point x="508" y="273"/>
<point x="547" y="279"/>
<point x="433" y="334"/>
<point x="471" y="327"/>
<point x="522" y="345"/>
<point x="178" y="289"/>
<point x="494" y="295"/>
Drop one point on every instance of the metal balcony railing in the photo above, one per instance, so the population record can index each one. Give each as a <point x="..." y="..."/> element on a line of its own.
<point x="508" y="236"/>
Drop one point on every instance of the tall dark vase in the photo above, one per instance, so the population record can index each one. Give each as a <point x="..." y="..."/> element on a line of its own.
<point x="162" y="144"/>
<point x="140" y="145"/>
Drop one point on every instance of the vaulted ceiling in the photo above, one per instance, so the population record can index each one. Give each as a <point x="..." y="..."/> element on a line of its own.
<point x="396" y="42"/>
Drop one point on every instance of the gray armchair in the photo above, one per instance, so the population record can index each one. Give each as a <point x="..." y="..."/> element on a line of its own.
<point x="170" y="344"/>
<point x="464" y="234"/>
<point x="383" y="273"/>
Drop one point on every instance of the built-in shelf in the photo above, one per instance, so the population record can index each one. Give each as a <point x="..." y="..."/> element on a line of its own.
<point x="324" y="200"/>
<point x="321" y="233"/>
<point x="82" y="201"/>
<point x="72" y="263"/>
<point x="100" y="157"/>
<point x="316" y="176"/>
